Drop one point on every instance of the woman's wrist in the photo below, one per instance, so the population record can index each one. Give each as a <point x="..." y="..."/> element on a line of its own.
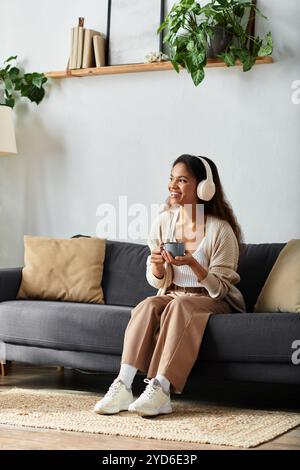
<point x="158" y="273"/>
<point x="200" y="272"/>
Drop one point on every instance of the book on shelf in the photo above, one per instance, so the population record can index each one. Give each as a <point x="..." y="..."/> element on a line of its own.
<point x="79" y="48"/>
<point x="87" y="47"/>
<point x="99" y="50"/>
<point x="74" y="40"/>
<point x="88" y="58"/>
<point x="76" y="45"/>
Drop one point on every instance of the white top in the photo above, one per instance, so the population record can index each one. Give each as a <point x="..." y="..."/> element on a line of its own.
<point x="184" y="276"/>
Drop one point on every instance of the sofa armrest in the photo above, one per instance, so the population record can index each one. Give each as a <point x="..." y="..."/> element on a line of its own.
<point x="10" y="280"/>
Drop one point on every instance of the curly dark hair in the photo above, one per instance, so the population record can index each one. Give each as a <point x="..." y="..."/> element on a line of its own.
<point x="218" y="205"/>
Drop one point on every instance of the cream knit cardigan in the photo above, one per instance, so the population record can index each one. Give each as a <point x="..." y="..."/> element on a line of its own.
<point x="221" y="248"/>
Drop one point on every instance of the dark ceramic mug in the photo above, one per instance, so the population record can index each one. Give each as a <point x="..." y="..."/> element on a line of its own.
<point x="175" y="248"/>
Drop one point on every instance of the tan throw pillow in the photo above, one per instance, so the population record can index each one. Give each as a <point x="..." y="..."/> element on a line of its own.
<point x="281" y="292"/>
<point x="57" y="269"/>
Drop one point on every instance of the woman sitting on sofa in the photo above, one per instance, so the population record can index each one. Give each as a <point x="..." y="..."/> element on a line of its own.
<point x="164" y="334"/>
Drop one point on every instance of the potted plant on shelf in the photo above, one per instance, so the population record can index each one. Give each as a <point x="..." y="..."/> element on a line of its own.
<point x="14" y="84"/>
<point x="196" y="33"/>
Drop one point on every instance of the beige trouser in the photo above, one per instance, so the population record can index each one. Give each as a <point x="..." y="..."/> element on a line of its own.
<point x="165" y="332"/>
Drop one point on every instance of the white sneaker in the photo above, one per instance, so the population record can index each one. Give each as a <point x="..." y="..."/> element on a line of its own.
<point x="118" y="398"/>
<point x="153" y="400"/>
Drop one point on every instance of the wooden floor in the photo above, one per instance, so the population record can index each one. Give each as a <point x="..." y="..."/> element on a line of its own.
<point x="51" y="378"/>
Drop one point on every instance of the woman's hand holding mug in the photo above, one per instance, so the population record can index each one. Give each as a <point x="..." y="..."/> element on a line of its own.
<point x="174" y="253"/>
<point x="157" y="262"/>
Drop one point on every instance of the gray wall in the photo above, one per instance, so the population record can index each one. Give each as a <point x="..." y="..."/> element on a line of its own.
<point x="93" y="139"/>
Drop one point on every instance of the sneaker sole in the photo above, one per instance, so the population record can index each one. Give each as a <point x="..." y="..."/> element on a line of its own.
<point x="112" y="411"/>
<point x="164" y="409"/>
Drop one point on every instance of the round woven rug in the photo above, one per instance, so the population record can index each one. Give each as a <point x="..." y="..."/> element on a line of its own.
<point x="189" y="422"/>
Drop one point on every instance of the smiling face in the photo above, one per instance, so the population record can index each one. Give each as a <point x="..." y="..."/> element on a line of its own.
<point x="182" y="186"/>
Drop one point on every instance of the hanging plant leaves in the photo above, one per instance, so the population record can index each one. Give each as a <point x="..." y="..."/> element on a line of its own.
<point x="192" y="29"/>
<point x="15" y="84"/>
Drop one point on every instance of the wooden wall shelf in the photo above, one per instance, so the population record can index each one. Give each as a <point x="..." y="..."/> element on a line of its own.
<point x="134" y="68"/>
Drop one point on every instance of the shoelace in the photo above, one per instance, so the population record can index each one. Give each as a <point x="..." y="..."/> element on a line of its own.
<point x="150" y="389"/>
<point x="113" y="388"/>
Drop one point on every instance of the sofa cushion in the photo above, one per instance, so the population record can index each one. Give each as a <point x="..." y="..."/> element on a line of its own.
<point x="100" y="328"/>
<point x="64" y="325"/>
<point x="255" y="263"/>
<point x="281" y="292"/>
<point x="251" y="337"/>
<point x="124" y="276"/>
<point x="58" y="269"/>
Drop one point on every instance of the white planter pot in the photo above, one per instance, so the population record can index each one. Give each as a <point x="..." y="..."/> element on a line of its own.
<point x="7" y="132"/>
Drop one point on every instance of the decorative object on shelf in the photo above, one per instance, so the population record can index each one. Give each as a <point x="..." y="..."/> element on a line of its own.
<point x="155" y="57"/>
<point x="218" y="42"/>
<point x="14" y="84"/>
<point x="195" y="33"/>
<point x="87" y="47"/>
<point x="132" y="30"/>
<point x="7" y="132"/>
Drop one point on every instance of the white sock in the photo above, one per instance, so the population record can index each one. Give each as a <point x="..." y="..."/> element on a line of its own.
<point x="163" y="382"/>
<point x="127" y="374"/>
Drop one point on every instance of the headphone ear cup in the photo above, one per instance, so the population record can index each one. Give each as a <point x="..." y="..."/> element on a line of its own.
<point x="199" y="190"/>
<point x="206" y="190"/>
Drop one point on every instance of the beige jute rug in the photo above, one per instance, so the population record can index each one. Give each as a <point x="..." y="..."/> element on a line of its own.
<point x="189" y="422"/>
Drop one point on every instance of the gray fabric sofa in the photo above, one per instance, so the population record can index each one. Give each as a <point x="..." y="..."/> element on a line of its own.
<point x="254" y="347"/>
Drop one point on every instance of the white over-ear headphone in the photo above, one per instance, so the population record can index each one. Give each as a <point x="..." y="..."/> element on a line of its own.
<point x="206" y="188"/>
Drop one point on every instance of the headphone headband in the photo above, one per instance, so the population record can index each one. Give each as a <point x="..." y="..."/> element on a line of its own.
<point x="208" y="169"/>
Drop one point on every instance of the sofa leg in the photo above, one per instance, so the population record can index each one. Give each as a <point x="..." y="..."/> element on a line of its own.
<point x="4" y="368"/>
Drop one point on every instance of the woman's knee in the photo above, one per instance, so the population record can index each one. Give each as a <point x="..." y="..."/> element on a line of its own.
<point x="181" y="305"/>
<point x="180" y="301"/>
<point x="147" y="306"/>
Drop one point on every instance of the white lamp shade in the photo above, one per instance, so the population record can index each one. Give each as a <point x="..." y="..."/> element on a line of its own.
<point x="7" y="132"/>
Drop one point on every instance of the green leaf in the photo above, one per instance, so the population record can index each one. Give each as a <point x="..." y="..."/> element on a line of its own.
<point x="13" y="57"/>
<point x="220" y="19"/>
<point x="239" y="10"/>
<point x="223" y="3"/>
<point x="247" y="60"/>
<point x="256" y="45"/>
<point x="198" y="76"/>
<point x="266" y="49"/>
<point x="14" y="72"/>
<point x="10" y="102"/>
<point x="161" y="27"/>
<point x="201" y="38"/>
<point x="38" y="81"/>
<point x="175" y="65"/>
<point x="8" y="84"/>
<point x="188" y="62"/>
<point x="190" y="45"/>
<point x="34" y="94"/>
<point x="28" y="77"/>
<point x="229" y="58"/>
<point x="198" y="57"/>
<point x="18" y="83"/>
<point x="197" y="9"/>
